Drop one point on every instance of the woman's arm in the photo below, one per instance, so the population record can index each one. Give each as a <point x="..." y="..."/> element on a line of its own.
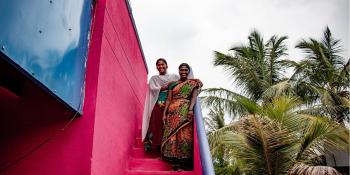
<point x="193" y="101"/>
<point x="165" y="87"/>
<point x="168" y="99"/>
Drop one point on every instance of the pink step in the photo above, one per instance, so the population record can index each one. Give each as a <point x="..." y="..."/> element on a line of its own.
<point x="141" y="172"/>
<point x="149" y="165"/>
<point x="139" y="153"/>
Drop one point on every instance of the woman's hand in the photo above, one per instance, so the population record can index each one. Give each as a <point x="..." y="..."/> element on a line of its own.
<point x="190" y="115"/>
<point x="165" y="87"/>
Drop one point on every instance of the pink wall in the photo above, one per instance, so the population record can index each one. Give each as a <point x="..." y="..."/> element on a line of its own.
<point x="100" y="141"/>
<point x="122" y="79"/>
<point x="32" y="126"/>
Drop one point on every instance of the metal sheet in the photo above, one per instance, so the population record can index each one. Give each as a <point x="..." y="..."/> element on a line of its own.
<point x="49" y="40"/>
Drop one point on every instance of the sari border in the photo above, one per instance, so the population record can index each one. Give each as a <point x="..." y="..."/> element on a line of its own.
<point x="173" y="133"/>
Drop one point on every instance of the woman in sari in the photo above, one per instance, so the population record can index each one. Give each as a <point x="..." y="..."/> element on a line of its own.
<point x="177" y="142"/>
<point x="152" y="125"/>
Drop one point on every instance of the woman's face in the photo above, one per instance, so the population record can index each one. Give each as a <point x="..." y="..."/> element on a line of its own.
<point x="161" y="67"/>
<point x="183" y="72"/>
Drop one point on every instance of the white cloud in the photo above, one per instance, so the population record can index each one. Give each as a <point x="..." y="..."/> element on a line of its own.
<point x="189" y="31"/>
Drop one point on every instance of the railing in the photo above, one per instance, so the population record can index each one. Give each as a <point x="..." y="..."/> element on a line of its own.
<point x="207" y="164"/>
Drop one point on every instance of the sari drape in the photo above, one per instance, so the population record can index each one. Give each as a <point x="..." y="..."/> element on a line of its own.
<point x="177" y="142"/>
<point x="152" y="96"/>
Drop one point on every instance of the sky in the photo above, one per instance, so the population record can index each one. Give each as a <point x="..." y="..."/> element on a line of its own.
<point x="190" y="31"/>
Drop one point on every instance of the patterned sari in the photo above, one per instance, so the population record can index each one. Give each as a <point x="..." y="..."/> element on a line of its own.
<point x="177" y="142"/>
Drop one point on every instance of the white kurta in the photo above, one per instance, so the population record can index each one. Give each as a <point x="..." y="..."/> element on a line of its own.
<point x="154" y="85"/>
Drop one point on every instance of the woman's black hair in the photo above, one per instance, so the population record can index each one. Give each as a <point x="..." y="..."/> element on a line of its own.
<point x="162" y="59"/>
<point x="185" y="64"/>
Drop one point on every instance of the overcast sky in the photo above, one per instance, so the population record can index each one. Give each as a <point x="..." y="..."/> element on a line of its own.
<point x="190" y="30"/>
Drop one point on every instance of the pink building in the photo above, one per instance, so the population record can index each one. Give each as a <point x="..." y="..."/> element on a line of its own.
<point x="39" y="135"/>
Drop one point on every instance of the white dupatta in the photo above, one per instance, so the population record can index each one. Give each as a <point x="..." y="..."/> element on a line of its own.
<point x="154" y="85"/>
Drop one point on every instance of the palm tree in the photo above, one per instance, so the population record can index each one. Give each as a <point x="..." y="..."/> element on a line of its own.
<point x="216" y="125"/>
<point x="254" y="67"/>
<point x="322" y="79"/>
<point x="328" y="72"/>
<point x="276" y="137"/>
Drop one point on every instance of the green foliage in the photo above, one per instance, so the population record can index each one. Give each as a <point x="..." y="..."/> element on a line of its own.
<point x="274" y="136"/>
<point x="256" y="66"/>
<point x="321" y="79"/>
<point x="216" y="126"/>
<point x="284" y="124"/>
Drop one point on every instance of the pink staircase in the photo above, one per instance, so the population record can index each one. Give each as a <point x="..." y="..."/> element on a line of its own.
<point x="149" y="163"/>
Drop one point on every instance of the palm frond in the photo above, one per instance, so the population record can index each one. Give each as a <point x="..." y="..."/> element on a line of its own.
<point x="285" y="110"/>
<point x="276" y="49"/>
<point x="279" y="89"/>
<point x="216" y="137"/>
<point x="215" y="119"/>
<point x="223" y="98"/>
<point x="321" y="136"/>
<point x="322" y="110"/>
<point x="250" y="106"/>
<point x="303" y="169"/>
<point x="245" y="71"/>
<point x="343" y="79"/>
<point x="261" y="145"/>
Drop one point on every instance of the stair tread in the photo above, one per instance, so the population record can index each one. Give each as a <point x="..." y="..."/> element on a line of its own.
<point x="148" y="164"/>
<point x="143" y="172"/>
<point x="140" y="153"/>
<point x="147" y="159"/>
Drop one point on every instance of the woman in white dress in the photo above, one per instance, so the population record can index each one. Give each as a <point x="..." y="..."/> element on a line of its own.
<point x="152" y="123"/>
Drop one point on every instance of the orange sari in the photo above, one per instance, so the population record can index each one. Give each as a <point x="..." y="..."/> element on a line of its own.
<point x="177" y="142"/>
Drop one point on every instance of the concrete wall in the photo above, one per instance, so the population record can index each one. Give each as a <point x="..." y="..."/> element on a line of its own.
<point x="340" y="159"/>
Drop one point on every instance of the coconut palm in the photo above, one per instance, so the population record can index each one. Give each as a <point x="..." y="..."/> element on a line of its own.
<point x="274" y="137"/>
<point x="283" y="124"/>
<point x="216" y="125"/>
<point x="326" y="70"/>
<point x="321" y="79"/>
<point x="254" y="67"/>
